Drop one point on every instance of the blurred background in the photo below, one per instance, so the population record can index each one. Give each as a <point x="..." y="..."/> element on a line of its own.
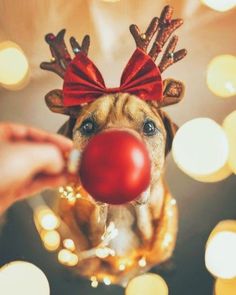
<point x="206" y="33"/>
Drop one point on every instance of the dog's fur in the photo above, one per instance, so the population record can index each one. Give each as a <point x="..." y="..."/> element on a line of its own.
<point x="147" y="228"/>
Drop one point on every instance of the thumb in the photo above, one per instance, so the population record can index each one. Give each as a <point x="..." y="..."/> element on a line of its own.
<point x="41" y="158"/>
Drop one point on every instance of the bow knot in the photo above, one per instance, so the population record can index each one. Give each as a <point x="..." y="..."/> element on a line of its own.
<point x="83" y="83"/>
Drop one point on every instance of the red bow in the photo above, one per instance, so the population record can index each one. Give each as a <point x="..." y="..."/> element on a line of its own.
<point x="84" y="83"/>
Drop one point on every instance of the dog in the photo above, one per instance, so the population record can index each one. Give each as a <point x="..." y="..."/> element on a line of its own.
<point x="117" y="242"/>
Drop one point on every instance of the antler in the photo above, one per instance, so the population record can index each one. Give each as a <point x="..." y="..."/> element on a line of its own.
<point x="60" y="55"/>
<point x="164" y="26"/>
<point x="59" y="62"/>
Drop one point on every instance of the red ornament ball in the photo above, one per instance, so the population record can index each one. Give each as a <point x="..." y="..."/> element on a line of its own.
<point x="115" y="167"/>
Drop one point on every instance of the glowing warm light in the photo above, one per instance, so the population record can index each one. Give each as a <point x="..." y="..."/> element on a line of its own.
<point x="14" y="67"/>
<point x="221" y="75"/>
<point x="220" y="255"/>
<point x="69" y="244"/>
<point x="229" y="126"/>
<point x="94" y="282"/>
<point x="46" y="218"/>
<point x="107" y="281"/>
<point x="112" y="1"/>
<point x="122" y="267"/>
<point x="20" y="277"/>
<point x="200" y="149"/>
<point x="220" y="5"/>
<point x="148" y="283"/>
<point x="70" y="193"/>
<point x="225" y="287"/>
<point x="51" y="240"/>
<point x="124" y="263"/>
<point x="142" y="262"/>
<point x="68" y="258"/>
<point x="167" y="240"/>
<point x="102" y="252"/>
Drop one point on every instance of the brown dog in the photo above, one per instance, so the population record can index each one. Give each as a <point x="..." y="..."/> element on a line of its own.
<point x="118" y="242"/>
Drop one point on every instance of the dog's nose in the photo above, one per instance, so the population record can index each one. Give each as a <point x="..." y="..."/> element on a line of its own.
<point x="115" y="167"/>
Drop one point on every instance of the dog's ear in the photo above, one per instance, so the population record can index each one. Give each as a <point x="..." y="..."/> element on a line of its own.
<point x="67" y="128"/>
<point x="171" y="129"/>
<point x="173" y="92"/>
<point x="54" y="101"/>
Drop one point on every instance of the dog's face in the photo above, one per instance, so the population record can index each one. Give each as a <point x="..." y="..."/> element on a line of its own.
<point x="129" y="113"/>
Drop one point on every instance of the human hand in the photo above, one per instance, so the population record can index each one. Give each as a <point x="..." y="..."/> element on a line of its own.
<point x="30" y="160"/>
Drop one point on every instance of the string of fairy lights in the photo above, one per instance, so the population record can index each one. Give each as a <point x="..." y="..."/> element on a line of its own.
<point x="202" y="148"/>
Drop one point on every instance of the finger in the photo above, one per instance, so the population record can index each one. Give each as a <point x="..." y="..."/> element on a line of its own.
<point x="63" y="143"/>
<point x="17" y="132"/>
<point x="39" y="158"/>
<point x="10" y="131"/>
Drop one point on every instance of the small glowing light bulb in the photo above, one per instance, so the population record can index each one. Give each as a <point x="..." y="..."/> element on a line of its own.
<point x="220" y="255"/>
<point x="14" y="67"/>
<point x="51" y="240"/>
<point x="112" y="1"/>
<point x="229" y="126"/>
<point x="201" y="150"/>
<point x="221" y="75"/>
<point x="142" y="262"/>
<point x="122" y="267"/>
<point x="106" y="281"/>
<point x="46" y="218"/>
<point x="149" y="283"/>
<point x="102" y="252"/>
<point x="69" y="244"/>
<point x="94" y="282"/>
<point x="220" y="5"/>
<point x="21" y="277"/>
<point x="68" y="258"/>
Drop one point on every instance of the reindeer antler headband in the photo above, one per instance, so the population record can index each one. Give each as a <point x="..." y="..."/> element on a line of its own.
<point x="83" y="82"/>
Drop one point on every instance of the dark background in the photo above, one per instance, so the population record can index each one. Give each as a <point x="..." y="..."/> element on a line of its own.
<point x="201" y="207"/>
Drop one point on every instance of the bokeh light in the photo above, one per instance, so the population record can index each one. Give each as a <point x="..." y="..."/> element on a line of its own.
<point x="69" y="244"/>
<point x="220" y="5"/>
<point x="225" y="287"/>
<point x="151" y="284"/>
<point x="112" y="1"/>
<point x="229" y="126"/>
<point x="20" y="277"/>
<point x="67" y="258"/>
<point x="51" y="240"/>
<point x="14" y="66"/>
<point x="220" y="255"/>
<point x="46" y="218"/>
<point x="221" y="75"/>
<point x="200" y="149"/>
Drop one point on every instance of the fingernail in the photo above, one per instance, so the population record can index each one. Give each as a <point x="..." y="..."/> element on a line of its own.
<point x="73" y="161"/>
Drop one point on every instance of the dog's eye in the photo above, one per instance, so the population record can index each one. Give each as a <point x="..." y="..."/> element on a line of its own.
<point x="88" y="127"/>
<point x="149" y="128"/>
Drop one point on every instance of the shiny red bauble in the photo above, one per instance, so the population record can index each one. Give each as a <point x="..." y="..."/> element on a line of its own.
<point x="115" y="167"/>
